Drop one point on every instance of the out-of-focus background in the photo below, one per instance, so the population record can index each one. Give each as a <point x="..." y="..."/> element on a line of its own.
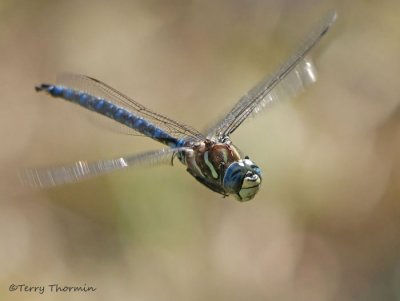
<point x="326" y="223"/>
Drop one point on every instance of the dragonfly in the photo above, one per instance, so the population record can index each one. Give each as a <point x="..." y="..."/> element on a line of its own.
<point x="209" y="156"/>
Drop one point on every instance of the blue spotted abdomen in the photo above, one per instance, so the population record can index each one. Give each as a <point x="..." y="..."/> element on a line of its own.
<point x="110" y="110"/>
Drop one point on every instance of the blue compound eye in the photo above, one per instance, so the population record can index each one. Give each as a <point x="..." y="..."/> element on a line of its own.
<point x="233" y="177"/>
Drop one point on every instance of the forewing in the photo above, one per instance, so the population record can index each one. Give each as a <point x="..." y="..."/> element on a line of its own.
<point x="290" y="79"/>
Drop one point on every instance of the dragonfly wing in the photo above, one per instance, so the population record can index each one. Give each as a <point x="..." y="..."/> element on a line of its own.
<point x="290" y="79"/>
<point x="59" y="175"/>
<point x="97" y="88"/>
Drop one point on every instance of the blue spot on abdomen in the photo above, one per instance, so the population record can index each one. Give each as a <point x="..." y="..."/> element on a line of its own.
<point x="119" y="114"/>
<point x="99" y="104"/>
<point x="68" y="94"/>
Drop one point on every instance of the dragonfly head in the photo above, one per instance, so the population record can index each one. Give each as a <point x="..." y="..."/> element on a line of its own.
<point x="243" y="179"/>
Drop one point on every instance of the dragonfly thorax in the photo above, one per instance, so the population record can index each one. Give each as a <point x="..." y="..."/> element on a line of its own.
<point x="218" y="166"/>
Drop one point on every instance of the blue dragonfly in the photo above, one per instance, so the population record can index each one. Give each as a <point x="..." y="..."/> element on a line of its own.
<point x="210" y="156"/>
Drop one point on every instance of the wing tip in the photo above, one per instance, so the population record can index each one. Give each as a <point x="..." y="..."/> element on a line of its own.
<point x="329" y="19"/>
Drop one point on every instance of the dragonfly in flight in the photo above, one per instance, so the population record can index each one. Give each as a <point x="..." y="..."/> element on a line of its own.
<point x="210" y="156"/>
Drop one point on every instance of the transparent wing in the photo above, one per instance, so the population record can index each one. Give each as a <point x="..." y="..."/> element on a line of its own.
<point x="97" y="88"/>
<point x="58" y="175"/>
<point x="290" y="79"/>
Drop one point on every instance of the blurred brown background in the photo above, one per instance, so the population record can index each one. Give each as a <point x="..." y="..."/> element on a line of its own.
<point x="325" y="225"/>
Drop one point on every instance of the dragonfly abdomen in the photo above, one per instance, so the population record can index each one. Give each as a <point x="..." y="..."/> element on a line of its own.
<point x="107" y="108"/>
